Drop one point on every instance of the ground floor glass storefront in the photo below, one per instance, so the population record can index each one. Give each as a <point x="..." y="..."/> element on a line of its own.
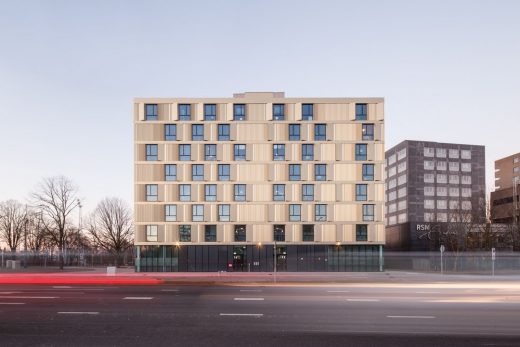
<point x="254" y="258"/>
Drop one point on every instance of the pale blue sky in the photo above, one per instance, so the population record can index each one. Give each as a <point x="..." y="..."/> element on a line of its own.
<point x="449" y="72"/>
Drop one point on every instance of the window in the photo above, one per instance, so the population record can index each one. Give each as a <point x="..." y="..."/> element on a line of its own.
<point x="307" y="192"/>
<point x="465" y="179"/>
<point x="442" y="204"/>
<point x="442" y="178"/>
<point x="401" y="180"/>
<point x="185" y="233"/>
<point x="516" y="160"/>
<point x="466" y="167"/>
<point x="441" y="165"/>
<point x="240" y="192"/>
<point x="278" y="111"/>
<point x="279" y="232"/>
<point x="391" y="159"/>
<point x="184" y="192"/>
<point x="429" y="178"/>
<point x="239" y="112"/>
<point x="307" y="152"/>
<point x="151" y="233"/>
<point x="441" y="152"/>
<point x="442" y="191"/>
<point x="223" y="213"/>
<point x="401" y="154"/>
<point x="320" y="212"/>
<point x="454" y="204"/>
<point x="454" y="191"/>
<point x="515" y="169"/>
<point x="210" y="152"/>
<point x="295" y="213"/>
<point x="184" y="112"/>
<point x="429" y="165"/>
<point x="429" y="191"/>
<point x="170" y="132"/>
<point x="465" y="192"/>
<point x="278" y="192"/>
<point x="465" y="154"/>
<point x="151" y="192"/>
<point x="392" y="171"/>
<point x="442" y="217"/>
<point x="197" y="172"/>
<point x="210" y="112"/>
<point x="320" y="172"/>
<point x="454" y="179"/>
<point x="361" y="111"/>
<point x="392" y="183"/>
<point x="307" y="111"/>
<point x="151" y="111"/>
<point x="278" y="152"/>
<point x="170" y="172"/>
<point x="367" y="132"/>
<point x="197" y="213"/>
<point x="401" y="166"/>
<point x="223" y="132"/>
<point x="392" y="208"/>
<point x="429" y="152"/>
<point x="294" y="132"/>
<point x="454" y="166"/>
<point x="184" y="152"/>
<point x="368" y="172"/>
<point x="361" y="192"/>
<point x="295" y="172"/>
<point x="429" y="204"/>
<point x="170" y="213"/>
<point x="240" y="233"/>
<point x="240" y="152"/>
<point x="402" y="218"/>
<point x="361" y="151"/>
<point x="466" y="205"/>
<point x="210" y="233"/>
<point x="223" y="172"/>
<point x="402" y="192"/>
<point x="320" y="132"/>
<point x="429" y="216"/>
<point x="307" y="232"/>
<point x="453" y="153"/>
<point x="368" y="212"/>
<point x="392" y="220"/>
<point x="361" y="232"/>
<point x="197" y="132"/>
<point x="151" y="152"/>
<point x="392" y="196"/>
<point x="210" y="192"/>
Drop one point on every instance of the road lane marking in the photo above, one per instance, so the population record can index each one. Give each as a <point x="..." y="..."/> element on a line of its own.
<point x="72" y="312"/>
<point x="250" y="290"/>
<point x="425" y="292"/>
<point x="338" y="291"/>
<point x="243" y="314"/>
<point x="28" y="297"/>
<point x="2" y="293"/>
<point x="12" y="303"/>
<point x="412" y="317"/>
<point x="169" y="290"/>
<point x="137" y="298"/>
<point x="61" y="287"/>
<point x="361" y="300"/>
<point x="248" y="299"/>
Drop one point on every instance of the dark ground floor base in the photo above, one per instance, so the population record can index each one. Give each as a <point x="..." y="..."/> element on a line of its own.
<point x="252" y="258"/>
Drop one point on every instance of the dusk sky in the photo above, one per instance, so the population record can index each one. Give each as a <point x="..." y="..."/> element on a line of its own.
<point x="69" y="70"/>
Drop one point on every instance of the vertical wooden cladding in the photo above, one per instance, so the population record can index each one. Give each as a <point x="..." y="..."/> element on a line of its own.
<point x="326" y="192"/>
<point x="293" y="192"/>
<point x="259" y="152"/>
<point x="248" y="132"/>
<point x="278" y="213"/>
<point x="149" y="172"/>
<point x="255" y="112"/>
<point x="251" y="173"/>
<point x="278" y="132"/>
<point x="148" y="213"/>
<point x="149" y="132"/>
<point x="345" y="131"/>
<point x="278" y="172"/>
<point x="347" y="172"/>
<point x="331" y="112"/>
<point x="210" y="132"/>
<point x="325" y="152"/>
<point x="247" y="213"/>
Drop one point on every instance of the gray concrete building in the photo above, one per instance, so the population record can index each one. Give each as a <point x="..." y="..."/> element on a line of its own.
<point x="429" y="186"/>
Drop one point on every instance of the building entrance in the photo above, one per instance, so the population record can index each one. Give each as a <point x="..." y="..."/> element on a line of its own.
<point x="239" y="258"/>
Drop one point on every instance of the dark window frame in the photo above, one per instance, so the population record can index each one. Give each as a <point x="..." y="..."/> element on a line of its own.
<point x="182" y="152"/>
<point x="197" y="172"/>
<point x="367" y="132"/>
<point x="307" y="152"/>
<point x="278" y="197"/>
<point x="210" y="152"/>
<point x="307" y="192"/>
<point x="237" y="152"/>
<point x="278" y="152"/>
<point x="185" y="233"/>
<point x="222" y="168"/>
<point x="294" y="132"/>
<point x="184" y="112"/>
<point x="320" y="132"/>
<point x="320" y="172"/>
<point x="168" y="135"/>
<point x="197" y="132"/>
<point x="210" y="115"/>
<point x="210" y="233"/>
<point x="240" y="195"/>
<point x="278" y="111"/>
<point x="361" y="151"/>
<point x="168" y="176"/>
<point x="367" y="172"/>
<point x="361" y="192"/>
<point x="239" y="112"/>
<point x="292" y="175"/>
<point x="152" y="152"/>
<point x="361" y="111"/>
<point x="307" y="111"/>
<point x="361" y="232"/>
<point x="151" y="112"/>
<point x="224" y="132"/>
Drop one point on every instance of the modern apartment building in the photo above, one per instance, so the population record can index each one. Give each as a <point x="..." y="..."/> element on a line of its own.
<point x="505" y="200"/>
<point x="430" y="185"/>
<point x="259" y="182"/>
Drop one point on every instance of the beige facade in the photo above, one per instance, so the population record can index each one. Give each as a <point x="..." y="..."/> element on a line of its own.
<point x="261" y="163"/>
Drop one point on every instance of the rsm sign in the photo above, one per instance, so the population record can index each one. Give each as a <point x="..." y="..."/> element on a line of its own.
<point x="423" y="227"/>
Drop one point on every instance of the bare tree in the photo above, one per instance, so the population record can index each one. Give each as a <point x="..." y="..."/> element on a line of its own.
<point x="13" y="223"/>
<point x="110" y="226"/>
<point x="56" y="197"/>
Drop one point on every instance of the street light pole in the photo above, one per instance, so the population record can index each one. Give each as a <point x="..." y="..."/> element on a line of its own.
<point x="78" y="237"/>
<point x="274" y="265"/>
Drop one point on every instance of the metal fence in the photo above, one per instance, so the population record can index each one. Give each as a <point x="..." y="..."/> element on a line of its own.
<point x="455" y="262"/>
<point x="70" y="257"/>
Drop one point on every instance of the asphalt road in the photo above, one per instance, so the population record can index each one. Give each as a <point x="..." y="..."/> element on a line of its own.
<point x="355" y="314"/>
